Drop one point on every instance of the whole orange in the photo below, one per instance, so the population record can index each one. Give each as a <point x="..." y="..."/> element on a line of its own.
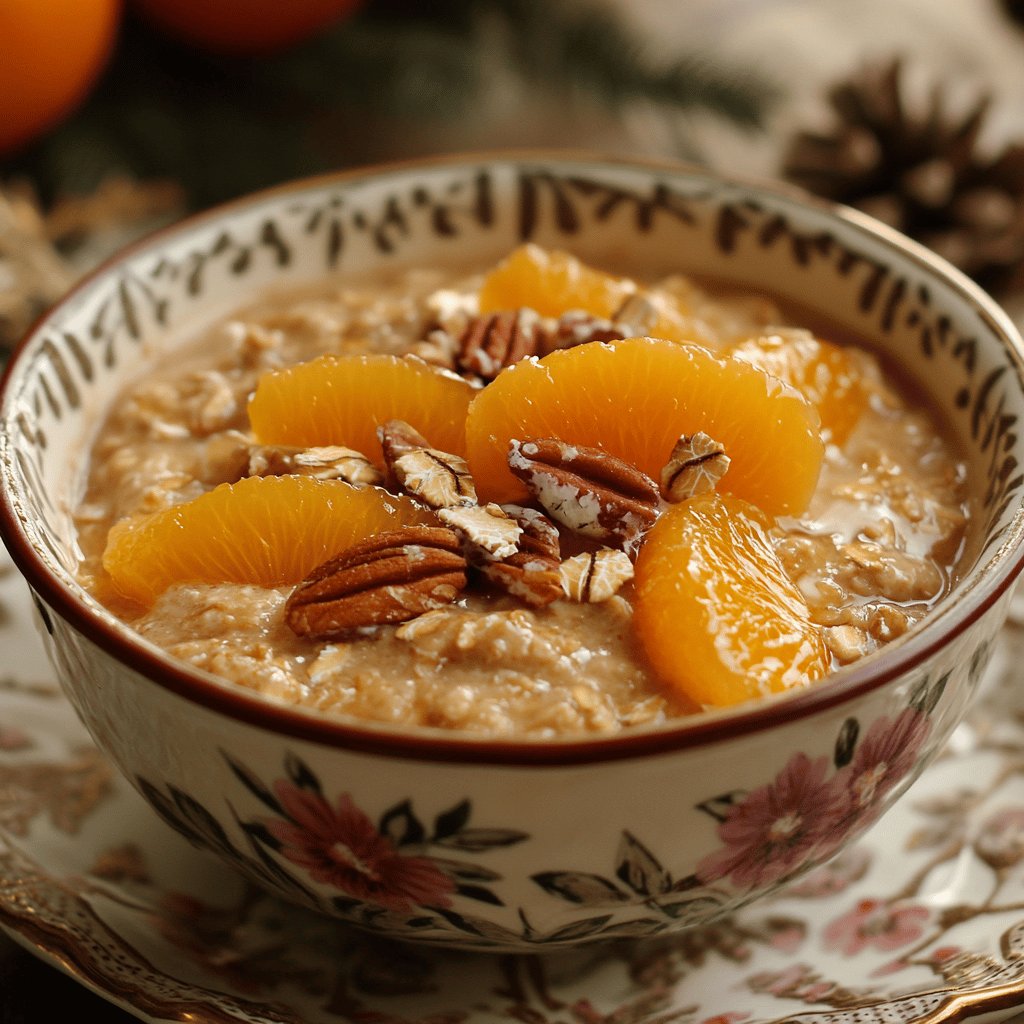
<point x="50" y="53"/>
<point x="243" y="27"/>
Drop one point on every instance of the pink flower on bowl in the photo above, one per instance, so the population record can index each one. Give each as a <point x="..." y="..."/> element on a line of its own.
<point x="339" y="846"/>
<point x="776" y="828"/>
<point x="885" y="756"/>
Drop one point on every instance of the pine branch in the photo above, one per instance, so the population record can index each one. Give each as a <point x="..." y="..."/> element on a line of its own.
<point x="400" y="69"/>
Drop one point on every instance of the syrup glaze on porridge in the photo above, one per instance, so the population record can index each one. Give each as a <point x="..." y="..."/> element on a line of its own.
<point x="872" y="553"/>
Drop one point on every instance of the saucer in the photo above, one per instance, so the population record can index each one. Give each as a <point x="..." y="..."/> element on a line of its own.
<point x="921" y="922"/>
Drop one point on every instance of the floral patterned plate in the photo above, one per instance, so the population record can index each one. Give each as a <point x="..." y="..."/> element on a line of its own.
<point x="923" y="921"/>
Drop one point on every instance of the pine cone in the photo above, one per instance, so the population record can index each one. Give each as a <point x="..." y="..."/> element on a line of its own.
<point x="1015" y="9"/>
<point x="919" y="172"/>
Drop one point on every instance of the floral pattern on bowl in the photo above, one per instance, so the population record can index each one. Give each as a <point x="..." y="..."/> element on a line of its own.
<point x="403" y="870"/>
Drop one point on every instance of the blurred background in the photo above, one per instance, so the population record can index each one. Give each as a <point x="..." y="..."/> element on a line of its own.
<point x="117" y="116"/>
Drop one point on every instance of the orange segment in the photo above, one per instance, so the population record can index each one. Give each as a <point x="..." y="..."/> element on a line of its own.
<point x="719" y="619"/>
<point x="552" y="282"/>
<point x="341" y="400"/>
<point x="827" y="375"/>
<point x="634" y="398"/>
<point x="269" y="531"/>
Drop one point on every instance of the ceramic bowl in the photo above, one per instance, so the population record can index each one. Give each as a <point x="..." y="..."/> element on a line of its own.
<point x="518" y="845"/>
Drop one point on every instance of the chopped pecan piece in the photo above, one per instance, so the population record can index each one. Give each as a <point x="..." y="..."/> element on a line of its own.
<point x="452" y="310"/>
<point x="695" y="466"/>
<point x="439" y="479"/>
<point x="530" y="573"/>
<point x="595" y="576"/>
<point x="490" y="343"/>
<point x="438" y="348"/>
<point x="636" y="316"/>
<point x="329" y="462"/>
<point x="578" y="328"/>
<point x="586" y="489"/>
<point x="486" y="528"/>
<point x="399" y="438"/>
<point x="389" y="578"/>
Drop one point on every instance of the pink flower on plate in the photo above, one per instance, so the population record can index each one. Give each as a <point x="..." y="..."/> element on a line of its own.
<point x="339" y="846"/>
<point x="892" y="967"/>
<point x="875" y="923"/>
<point x="729" y="1017"/>
<point x="838" y="874"/>
<point x="776" y="828"/>
<point x="1000" y="843"/>
<point x="13" y="739"/>
<point x="885" y="756"/>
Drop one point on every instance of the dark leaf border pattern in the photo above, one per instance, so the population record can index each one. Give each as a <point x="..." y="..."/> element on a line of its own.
<point x="149" y="295"/>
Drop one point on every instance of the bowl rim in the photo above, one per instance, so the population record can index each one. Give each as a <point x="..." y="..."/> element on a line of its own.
<point x="942" y="625"/>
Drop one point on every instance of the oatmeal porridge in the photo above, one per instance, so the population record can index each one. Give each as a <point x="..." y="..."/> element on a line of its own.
<point x="543" y="501"/>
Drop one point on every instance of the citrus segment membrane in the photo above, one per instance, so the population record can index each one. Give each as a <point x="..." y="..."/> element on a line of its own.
<point x="718" y="618"/>
<point x="829" y="376"/>
<point x="634" y="398"/>
<point x="267" y="531"/>
<point x="342" y="400"/>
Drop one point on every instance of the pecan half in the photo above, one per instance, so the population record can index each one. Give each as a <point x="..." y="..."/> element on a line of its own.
<point x="531" y="573"/>
<point x="329" y="462"/>
<point x="490" y="343"/>
<point x="587" y="489"/>
<point x="595" y="576"/>
<point x="695" y="466"/>
<point x="389" y="578"/>
<point x="439" y="479"/>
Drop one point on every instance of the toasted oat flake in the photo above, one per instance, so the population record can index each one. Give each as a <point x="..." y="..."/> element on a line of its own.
<point x="595" y="576"/>
<point x="329" y="662"/>
<point x="486" y="527"/>
<point x="847" y="643"/>
<point x="695" y="466"/>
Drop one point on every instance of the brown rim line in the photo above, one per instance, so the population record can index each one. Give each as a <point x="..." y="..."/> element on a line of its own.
<point x="987" y="585"/>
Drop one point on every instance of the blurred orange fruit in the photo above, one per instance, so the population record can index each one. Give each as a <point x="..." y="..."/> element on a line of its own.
<point x="634" y="398"/>
<point x="244" y="27"/>
<point x="718" y="618"/>
<point x="827" y="375"/>
<point x="51" y="51"/>
<point x="553" y="282"/>
<point x="342" y="400"/>
<point x="268" y="531"/>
